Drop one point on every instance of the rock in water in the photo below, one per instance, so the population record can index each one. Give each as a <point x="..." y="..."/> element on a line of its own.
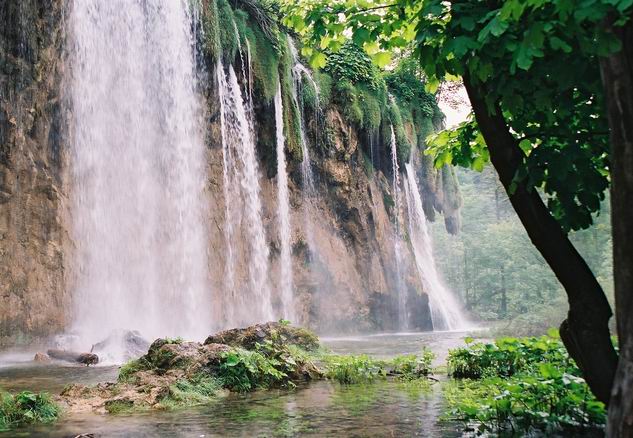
<point x="71" y="356"/>
<point x="41" y="358"/>
<point x="130" y="342"/>
<point x="250" y="336"/>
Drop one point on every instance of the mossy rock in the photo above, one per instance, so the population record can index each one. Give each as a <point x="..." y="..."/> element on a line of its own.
<point x="249" y="337"/>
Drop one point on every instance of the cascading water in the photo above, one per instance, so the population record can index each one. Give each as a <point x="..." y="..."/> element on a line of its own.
<point x="283" y="212"/>
<point x="138" y="171"/>
<point x="299" y="71"/>
<point x="397" y="194"/>
<point x="242" y="191"/>
<point x="445" y="311"/>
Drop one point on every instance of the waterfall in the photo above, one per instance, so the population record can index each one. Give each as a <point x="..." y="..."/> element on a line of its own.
<point x="445" y="310"/>
<point x="307" y="175"/>
<point x="283" y="212"/>
<point x="138" y="175"/>
<point x="398" y="250"/>
<point x="244" y="206"/>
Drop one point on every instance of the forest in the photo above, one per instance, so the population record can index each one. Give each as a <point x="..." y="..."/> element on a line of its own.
<point x="316" y="218"/>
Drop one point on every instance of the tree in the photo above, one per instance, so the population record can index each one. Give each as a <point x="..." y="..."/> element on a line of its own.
<point x="617" y="76"/>
<point x="531" y="69"/>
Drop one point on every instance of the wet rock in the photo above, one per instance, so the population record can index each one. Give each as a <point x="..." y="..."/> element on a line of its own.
<point x="71" y="356"/>
<point x="41" y="358"/>
<point x="130" y="342"/>
<point x="248" y="337"/>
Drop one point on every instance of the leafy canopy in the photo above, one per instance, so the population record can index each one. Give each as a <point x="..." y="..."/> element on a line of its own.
<point x="535" y="60"/>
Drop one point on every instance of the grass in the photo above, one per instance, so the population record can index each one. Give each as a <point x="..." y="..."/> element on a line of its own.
<point x="26" y="408"/>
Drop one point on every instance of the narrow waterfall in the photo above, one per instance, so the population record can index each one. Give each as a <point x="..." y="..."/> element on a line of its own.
<point x="445" y="310"/>
<point x="299" y="71"/>
<point x="138" y="174"/>
<point x="398" y="250"/>
<point x="283" y="213"/>
<point x="244" y="207"/>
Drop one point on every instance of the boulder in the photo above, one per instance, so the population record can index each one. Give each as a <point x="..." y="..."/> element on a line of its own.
<point x="248" y="337"/>
<point x="41" y="358"/>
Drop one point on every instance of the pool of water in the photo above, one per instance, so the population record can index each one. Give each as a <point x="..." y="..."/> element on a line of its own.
<point x="385" y="408"/>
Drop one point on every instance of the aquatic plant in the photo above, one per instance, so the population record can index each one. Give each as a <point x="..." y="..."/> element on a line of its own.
<point x="25" y="408"/>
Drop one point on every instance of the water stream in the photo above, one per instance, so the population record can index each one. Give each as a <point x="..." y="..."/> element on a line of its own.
<point x="445" y="310"/>
<point x="401" y="288"/>
<point x="283" y="213"/>
<point x="247" y="303"/>
<point x="138" y="175"/>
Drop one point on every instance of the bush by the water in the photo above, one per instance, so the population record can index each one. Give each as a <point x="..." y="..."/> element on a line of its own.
<point x="521" y="386"/>
<point x="362" y="368"/>
<point x="25" y="408"/>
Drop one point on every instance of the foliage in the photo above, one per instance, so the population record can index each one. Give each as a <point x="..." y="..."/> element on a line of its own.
<point x="198" y="389"/>
<point x="407" y="82"/>
<point x="507" y="50"/>
<point x="412" y="366"/>
<point x="506" y="357"/>
<point x="354" y="369"/>
<point x="527" y="384"/>
<point x="351" y="63"/>
<point x="26" y="407"/>
<point x="273" y="362"/>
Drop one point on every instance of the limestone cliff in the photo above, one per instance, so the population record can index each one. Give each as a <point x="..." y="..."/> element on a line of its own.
<point x="33" y="297"/>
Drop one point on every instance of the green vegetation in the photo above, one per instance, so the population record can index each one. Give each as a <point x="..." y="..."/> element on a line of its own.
<point x="533" y="75"/>
<point x="521" y="386"/>
<point x="26" y="408"/>
<point x="354" y="369"/>
<point x="199" y="389"/>
<point x="502" y="278"/>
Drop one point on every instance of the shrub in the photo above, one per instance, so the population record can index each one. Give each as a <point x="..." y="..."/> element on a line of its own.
<point x="508" y="356"/>
<point x="413" y="366"/>
<point x="354" y="369"/>
<point x="26" y="408"/>
<point x="525" y="385"/>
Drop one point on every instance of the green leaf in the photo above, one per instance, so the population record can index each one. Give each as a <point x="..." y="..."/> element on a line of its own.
<point x="382" y="59"/>
<point x="318" y="60"/>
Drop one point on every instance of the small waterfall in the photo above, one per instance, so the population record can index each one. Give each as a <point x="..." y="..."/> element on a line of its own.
<point x="299" y="71"/>
<point x="138" y="175"/>
<point x="241" y="180"/>
<point x="283" y="212"/>
<point x="445" y="310"/>
<point x="398" y="250"/>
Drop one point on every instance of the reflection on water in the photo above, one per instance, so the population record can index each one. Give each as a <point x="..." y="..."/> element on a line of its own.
<point x="320" y="409"/>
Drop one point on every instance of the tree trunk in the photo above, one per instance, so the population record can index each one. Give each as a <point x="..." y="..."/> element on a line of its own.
<point x="617" y="77"/>
<point x="585" y="332"/>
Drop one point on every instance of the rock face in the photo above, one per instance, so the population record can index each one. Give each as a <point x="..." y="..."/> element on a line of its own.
<point x="33" y="241"/>
<point x="349" y="284"/>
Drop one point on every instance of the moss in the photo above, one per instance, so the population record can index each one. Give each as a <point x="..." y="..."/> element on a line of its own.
<point x="402" y="141"/>
<point x="211" y="39"/>
<point x="127" y="371"/>
<point x="26" y="408"/>
<point x="229" y="42"/>
<point x="450" y="186"/>
<point x="264" y="57"/>
<point x="292" y="115"/>
<point x="120" y="406"/>
<point x="199" y="389"/>
<point x="369" y="101"/>
<point x="324" y="82"/>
